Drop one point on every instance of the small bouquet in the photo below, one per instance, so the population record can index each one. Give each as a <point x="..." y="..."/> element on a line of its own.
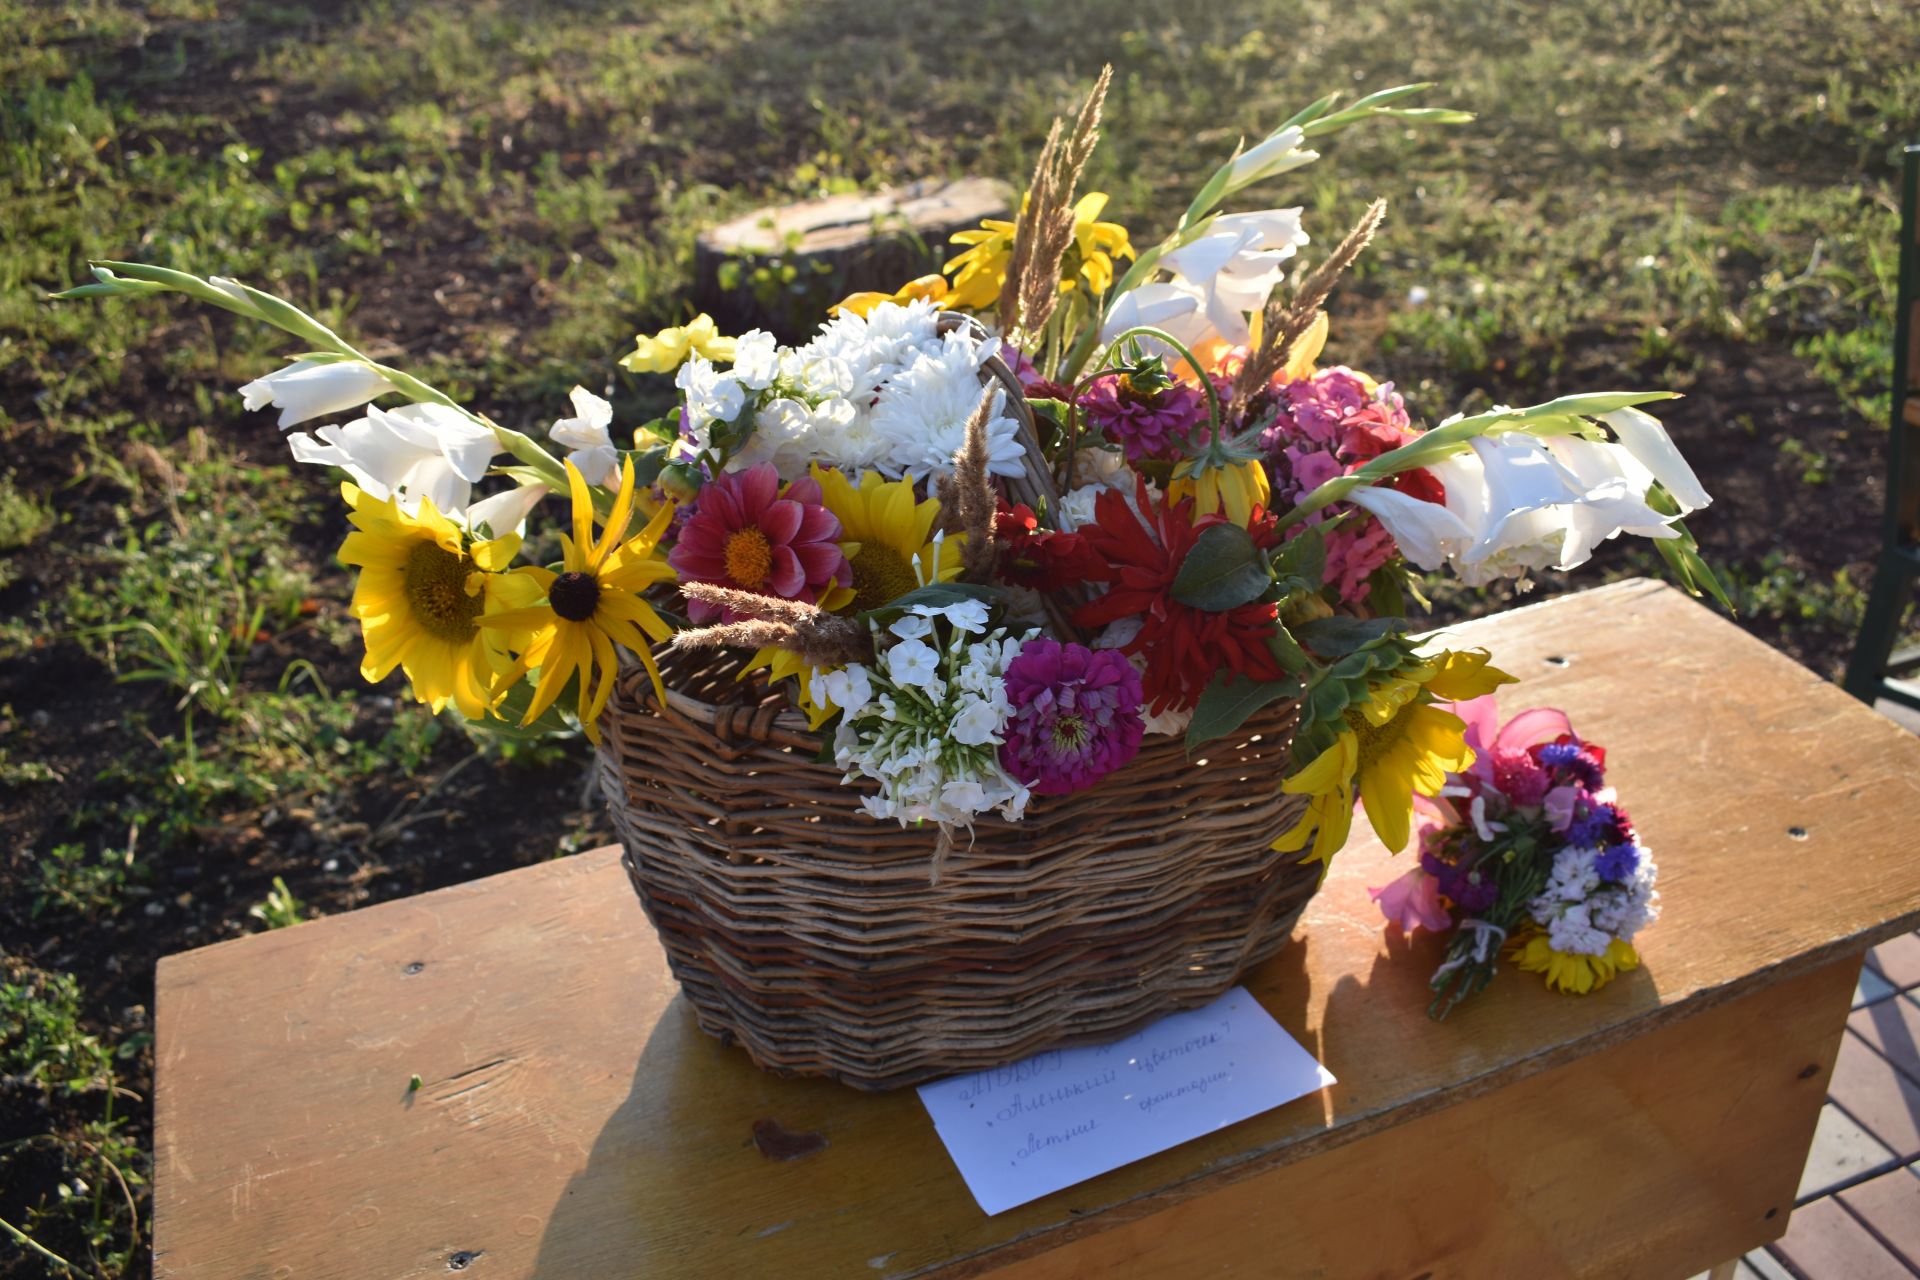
<point x="1527" y="852"/>
<point x="989" y="530"/>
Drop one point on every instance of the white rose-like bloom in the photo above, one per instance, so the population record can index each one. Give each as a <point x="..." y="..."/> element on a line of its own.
<point x="756" y="359"/>
<point x="921" y="416"/>
<point x="414" y="452"/>
<point x="309" y="389"/>
<point x="588" y="439"/>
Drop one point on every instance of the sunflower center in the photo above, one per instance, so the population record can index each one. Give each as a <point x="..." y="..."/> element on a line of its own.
<point x="1374" y="740"/>
<point x="437" y="593"/>
<point x="880" y="576"/>
<point x="573" y="596"/>
<point x="749" y="558"/>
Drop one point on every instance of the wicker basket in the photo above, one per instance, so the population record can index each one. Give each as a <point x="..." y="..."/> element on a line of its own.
<point x="822" y="941"/>
<point x="812" y="935"/>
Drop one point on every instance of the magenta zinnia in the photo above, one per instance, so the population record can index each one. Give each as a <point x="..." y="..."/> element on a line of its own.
<point x="1075" y="718"/>
<point x="1146" y="425"/>
<point x="749" y="535"/>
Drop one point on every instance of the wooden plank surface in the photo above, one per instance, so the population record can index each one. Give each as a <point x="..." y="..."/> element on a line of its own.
<point x="1639" y="1161"/>
<point x="574" y="1121"/>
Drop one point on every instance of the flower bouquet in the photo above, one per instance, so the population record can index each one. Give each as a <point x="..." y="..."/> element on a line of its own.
<point x="1000" y="666"/>
<point x="1526" y="851"/>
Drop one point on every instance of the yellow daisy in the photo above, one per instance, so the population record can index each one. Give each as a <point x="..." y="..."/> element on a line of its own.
<point x="592" y="604"/>
<point x="933" y="288"/>
<point x="1236" y="486"/>
<point x="668" y="349"/>
<point x="421" y="596"/>
<point x="1096" y="244"/>
<point x="1570" y="971"/>
<point x="980" y="271"/>
<point x="1395" y="744"/>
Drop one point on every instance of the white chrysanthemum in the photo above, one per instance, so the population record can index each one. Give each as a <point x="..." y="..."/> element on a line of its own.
<point x="922" y="415"/>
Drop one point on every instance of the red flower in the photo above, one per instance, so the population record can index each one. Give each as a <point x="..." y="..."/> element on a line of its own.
<point x="1422" y="484"/>
<point x="1184" y="647"/>
<point x="1044" y="559"/>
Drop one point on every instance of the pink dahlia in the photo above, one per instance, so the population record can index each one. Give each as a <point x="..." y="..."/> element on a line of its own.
<point x="747" y="534"/>
<point x="1075" y="718"/>
<point x="1148" y="426"/>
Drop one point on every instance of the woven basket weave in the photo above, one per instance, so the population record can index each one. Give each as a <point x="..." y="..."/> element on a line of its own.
<point x="814" y="937"/>
<point x="823" y="942"/>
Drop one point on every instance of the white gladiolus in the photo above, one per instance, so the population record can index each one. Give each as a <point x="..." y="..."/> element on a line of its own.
<point x="1516" y="504"/>
<point x="414" y="452"/>
<point x="1642" y="435"/>
<point x="1176" y="307"/>
<point x="505" y="512"/>
<point x="588" y="438"/>
<point x="308" y="389"/>
<point x="1279" y="152"/>
<point x="1235" y="265"/>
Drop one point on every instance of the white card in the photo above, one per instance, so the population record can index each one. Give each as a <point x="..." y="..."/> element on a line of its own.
<point x="1020" y="1131"/>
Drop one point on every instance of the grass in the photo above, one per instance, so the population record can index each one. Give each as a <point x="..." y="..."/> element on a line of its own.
<point x="500" y="194"/>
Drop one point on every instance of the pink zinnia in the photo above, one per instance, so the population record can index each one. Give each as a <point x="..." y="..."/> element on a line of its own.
<point x="1147" y="426"/>
<point x="746" y="534"/>
<point x="1075" y="719"/>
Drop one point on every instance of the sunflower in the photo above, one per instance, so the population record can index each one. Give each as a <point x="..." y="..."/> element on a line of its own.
<point x="890" y="540"/>
<point x="422" y="594"/>
<point x="933" y="288"/>
<point x="592" y="604"/>
<point x="1571" y="971"/>
<point x="1395" y="744"/>
<point x="890" y="545"/>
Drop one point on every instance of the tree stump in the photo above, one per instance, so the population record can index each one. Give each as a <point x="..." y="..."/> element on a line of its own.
<point x="780" y="268"/>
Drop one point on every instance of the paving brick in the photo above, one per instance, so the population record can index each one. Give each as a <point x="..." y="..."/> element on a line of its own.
<point x="1842" y="1152"/>
<point x="1823" y="1240"/>
<point x="1889" y="1207"/>
<point x="1898" y="961"/>
<point x="1871" y="987"/>
<point x="1764" y="1265"/>
<point x="1892" y="1027"/>
<point x="1883" y="1101"/>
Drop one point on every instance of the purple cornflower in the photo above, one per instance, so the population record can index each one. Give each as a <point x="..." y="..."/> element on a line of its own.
<point x="1591" y="827"/>
<point x="1617" y="862"/>
<point x="1075" y="719"/>
<point x="1575" y="759"/>
<point x="1148" y="426"/>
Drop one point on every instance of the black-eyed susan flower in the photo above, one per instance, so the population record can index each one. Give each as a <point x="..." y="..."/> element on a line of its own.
<point x="421" y="595"/>
<point x="594" y="603"/>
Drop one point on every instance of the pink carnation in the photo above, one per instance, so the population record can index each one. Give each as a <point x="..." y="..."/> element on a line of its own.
<point x="1075" y="719"/>
<point x="746" y="534"/>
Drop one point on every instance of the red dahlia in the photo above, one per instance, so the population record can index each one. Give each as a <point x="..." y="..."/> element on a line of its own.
<point x="1184" y="647"/>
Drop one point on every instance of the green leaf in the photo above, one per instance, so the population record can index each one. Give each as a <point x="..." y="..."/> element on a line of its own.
<point x="1058" y="410"/>
<point x="1287" y="652"/>
<point x="1303" y="556"/>
<point x="1386" y="598"/>
<point x="1336" y="637"/>
<point x="1229" y="701"/>
<point x="647" y="464"/>
<point x="1224" y="570"/>
<point x="936" y="594"/>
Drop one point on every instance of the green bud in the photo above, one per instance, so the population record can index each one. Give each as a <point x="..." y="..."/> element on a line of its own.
<point x="681" y="481"/>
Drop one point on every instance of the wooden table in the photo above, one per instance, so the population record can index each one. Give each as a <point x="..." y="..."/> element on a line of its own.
<point x="573" y="1122"/>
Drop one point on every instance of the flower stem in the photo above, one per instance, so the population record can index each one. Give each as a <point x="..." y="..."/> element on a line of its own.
<point x="1206" y="383"/>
